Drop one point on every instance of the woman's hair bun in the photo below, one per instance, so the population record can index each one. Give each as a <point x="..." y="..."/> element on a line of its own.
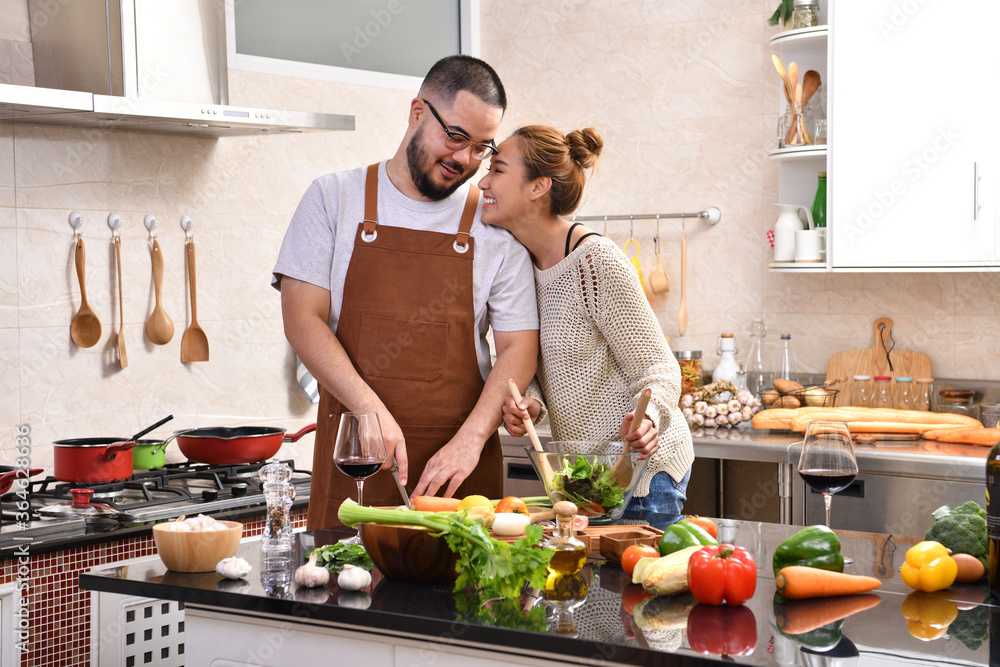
<point x="585" y="146"/>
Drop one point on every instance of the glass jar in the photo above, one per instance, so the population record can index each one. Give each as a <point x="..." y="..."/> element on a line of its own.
<point x="959" y="402"/>
<point x="989" y="409"/>
<point x="805" y="14"/>
<point x="861" y="394"/>
<point x="922" y="393"/>
<point x="690" y="363"/>
<point x="902" y="398"/>
<point x="882" y="394"/>
<point x="569" y="553"/>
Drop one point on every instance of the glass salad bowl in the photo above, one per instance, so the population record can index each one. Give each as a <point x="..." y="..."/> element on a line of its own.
<point x="599" y="477"/>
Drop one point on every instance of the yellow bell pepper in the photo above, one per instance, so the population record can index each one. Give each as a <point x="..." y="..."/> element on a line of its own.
<point x="928" y="567"/>
<point x="928" y="615"/>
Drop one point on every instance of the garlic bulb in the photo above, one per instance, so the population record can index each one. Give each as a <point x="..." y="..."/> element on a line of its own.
<point x="233" y="568"/>
<point x="311" y="575"/>
<point x="353" y="578"/>
<point x="354" y="600"/>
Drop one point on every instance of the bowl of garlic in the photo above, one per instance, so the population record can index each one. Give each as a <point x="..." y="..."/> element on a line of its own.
<point x="196" y="544"/>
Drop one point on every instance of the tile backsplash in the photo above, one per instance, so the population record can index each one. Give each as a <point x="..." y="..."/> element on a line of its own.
<point x="682" y="92"/>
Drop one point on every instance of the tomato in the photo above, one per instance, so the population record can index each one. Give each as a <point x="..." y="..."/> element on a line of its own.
<point x="707" y="524"/>
<point x="633" y="553"/>
<point x="633" y="595"/>
<point x="511" y="504"/>
<point x="717" y="573"/>
<point x="722" y="630"/>
<point x="580" y="522"/>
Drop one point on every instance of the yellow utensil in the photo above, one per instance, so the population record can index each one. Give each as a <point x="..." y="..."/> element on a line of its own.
<point x="634" y="260"/>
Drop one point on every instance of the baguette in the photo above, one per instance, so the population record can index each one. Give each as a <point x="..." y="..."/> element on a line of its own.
<point x="777" y="419"/>
<point x="855" y="414"/>
<point x="983" y="437"/>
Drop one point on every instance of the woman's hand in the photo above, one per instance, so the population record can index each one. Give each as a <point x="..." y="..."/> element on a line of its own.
<point x="514" y="415"/>
<point x="644" y="439"/>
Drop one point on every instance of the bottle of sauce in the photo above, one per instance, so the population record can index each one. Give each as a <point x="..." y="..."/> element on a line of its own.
<point x="569" y="553"/>
<point x="727" y="368"/>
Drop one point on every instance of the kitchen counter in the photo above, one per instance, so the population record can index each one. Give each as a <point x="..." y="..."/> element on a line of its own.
<point x="268" y="620"/>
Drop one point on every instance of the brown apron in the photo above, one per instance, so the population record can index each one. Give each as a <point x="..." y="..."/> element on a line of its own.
<point x="408" y="325"/>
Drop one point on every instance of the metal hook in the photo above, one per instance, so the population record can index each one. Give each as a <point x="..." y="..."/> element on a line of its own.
<point x="151" y="223"/>
<point x="631" y="227"/>
<point x="76" y="221"/>
<point x="187" y="224"/>
<point x="115" y="223"/>
<point x="605" y="225"/>
<point x="656" y="239"/>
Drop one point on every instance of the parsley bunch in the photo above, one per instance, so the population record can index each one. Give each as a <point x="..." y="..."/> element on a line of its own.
<point x="335" y="556"/>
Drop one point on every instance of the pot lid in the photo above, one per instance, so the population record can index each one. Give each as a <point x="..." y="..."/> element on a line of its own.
<point x="80" y="507"/>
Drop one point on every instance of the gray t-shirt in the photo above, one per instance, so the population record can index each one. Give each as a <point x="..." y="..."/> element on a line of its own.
<point x="320" y="240"/>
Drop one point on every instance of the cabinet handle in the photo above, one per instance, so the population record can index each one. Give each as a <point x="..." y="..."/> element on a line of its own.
<point x="975" y="191"/>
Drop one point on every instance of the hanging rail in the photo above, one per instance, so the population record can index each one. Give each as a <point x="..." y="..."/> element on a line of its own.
<point x="712" y="215"/>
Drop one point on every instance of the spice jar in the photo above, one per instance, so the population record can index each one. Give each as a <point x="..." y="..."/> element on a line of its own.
<point x="959" y="402"/>
<point x="902" y="398"/>
<point x="882" y="395"/>
<point x="861" y="394"/>
<point x="279" y="495"/>
<point x="922" y="393"/>
<point x="989" y="409"/>
<point x="805" y="14"/>
<point x="690" y="363"/>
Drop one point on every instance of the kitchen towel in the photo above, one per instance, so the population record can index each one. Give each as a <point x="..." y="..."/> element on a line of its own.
<point x="307" y="381"/>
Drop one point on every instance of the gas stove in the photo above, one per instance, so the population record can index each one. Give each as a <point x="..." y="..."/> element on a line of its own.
<point x="149" y="495"/>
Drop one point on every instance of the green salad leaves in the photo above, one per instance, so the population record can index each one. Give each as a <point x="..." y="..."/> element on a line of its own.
<point x="335" y="556"/>
<point x="589" y="487"/>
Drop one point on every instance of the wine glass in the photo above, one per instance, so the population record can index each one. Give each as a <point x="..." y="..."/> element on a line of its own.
<point x="827" y="463"/>
<point x="359" y="451"/>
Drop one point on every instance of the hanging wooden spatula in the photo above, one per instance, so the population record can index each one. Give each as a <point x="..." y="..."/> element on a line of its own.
<point x="194" y="342"/>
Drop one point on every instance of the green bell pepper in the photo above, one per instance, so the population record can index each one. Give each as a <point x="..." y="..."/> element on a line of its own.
<point x="681" y="535"/>
<point x="813" y="546"/>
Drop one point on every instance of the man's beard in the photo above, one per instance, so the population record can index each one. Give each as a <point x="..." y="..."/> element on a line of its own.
<point x="420" y="171"/>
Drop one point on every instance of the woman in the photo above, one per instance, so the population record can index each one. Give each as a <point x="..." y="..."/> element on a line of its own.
<point x="600" y="342"/>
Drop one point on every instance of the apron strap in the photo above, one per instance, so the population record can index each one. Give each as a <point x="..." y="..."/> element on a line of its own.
<point x="371" y="204"/>
<point x="468" y="215"/>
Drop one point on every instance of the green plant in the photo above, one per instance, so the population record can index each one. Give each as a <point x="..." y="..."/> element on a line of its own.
<point x="783" y="13"/>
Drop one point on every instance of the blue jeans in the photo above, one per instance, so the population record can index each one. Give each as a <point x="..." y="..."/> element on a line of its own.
<point x="664" y="504"/>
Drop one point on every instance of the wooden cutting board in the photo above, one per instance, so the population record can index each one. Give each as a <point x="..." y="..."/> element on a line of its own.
<point x="875" y="361"/>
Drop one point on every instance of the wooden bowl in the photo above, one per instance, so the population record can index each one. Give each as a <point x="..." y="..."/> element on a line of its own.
<point x="408" y="554"/>
<point x="196" y="550"/>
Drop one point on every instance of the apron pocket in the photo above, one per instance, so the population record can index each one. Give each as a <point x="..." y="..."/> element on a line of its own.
<point x="401" y="349"/>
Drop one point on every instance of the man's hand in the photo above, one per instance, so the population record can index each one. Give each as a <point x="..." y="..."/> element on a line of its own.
<point x="450" y="465"/>
<point x="644" y="439"/>
<point x="515" y="415"/>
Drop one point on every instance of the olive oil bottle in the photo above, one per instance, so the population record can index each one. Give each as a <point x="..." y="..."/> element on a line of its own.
<point x="569" y="553"/>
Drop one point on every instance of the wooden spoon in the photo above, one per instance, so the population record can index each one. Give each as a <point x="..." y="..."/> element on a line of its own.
<point x="122" y="357"/>
<point x="811" y="82"/>
<point x="85" y="329"/>
<point x="784" y="77"/>
<point x="194" y="343"/>
<point x="621" y="471"/>
<point x="682" y="314"/>
<point x="533" y="435"/>
<point x="159" y="328"/>
<point x="793" y="77"/>
<point x="658" y="278"/>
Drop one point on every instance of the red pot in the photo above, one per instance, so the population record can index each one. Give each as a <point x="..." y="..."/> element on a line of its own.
<point x="90" y="460"/>
<point x="9" y="473"/>
<point x="231" y="446"/>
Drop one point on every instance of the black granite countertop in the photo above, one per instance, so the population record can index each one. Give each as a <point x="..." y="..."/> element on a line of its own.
<point x="663" y="633"/>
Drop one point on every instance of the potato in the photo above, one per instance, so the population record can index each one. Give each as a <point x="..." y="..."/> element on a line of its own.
<point x="786" y="402"/>
<point x="769" y="397"/>
<point x="786" y="386"/>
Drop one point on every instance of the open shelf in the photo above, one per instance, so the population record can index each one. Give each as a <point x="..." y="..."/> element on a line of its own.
<point x="803" y="38"/>
<point x="798" y="153"/>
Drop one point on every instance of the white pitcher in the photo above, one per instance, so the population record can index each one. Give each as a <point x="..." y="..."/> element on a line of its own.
<point x="784" y="230"/>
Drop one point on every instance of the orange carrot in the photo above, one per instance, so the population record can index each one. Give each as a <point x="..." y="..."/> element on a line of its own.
<point x="797" y="617"/>
<point x="435" y="504"/>
<point x="798" y="582"/>
<point x="984" y="437"/>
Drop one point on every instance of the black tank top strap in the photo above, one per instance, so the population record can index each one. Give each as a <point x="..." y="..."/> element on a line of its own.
<point x="580" y="240"/>
<point x="570" y="234"/>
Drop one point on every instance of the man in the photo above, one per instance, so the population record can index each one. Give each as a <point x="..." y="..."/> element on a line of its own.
<point x="389" y="281"/>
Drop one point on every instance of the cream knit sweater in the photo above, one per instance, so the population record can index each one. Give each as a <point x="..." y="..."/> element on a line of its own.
<point x="600" y="347"/>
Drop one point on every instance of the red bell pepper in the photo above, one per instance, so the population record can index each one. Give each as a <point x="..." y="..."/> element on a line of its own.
<point x="724" y="572"/>
<point x="722" y="630"/>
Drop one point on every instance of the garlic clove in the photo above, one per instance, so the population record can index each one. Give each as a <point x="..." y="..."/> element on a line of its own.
<point x="353" y="578"/>
<point x="312" y="575"/>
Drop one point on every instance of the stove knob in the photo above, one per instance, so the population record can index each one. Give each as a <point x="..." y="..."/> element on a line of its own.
<point x="210" y="494"/>
<point x="239" y="489"/>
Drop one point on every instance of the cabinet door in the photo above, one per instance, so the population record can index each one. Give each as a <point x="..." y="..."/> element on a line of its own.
<point x="912" y="110"/>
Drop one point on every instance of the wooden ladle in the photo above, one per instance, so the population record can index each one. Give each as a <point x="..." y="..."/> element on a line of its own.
<point x="194" y="343"/>
<point x="159" y="327"/>
<point x="85" y="329"/>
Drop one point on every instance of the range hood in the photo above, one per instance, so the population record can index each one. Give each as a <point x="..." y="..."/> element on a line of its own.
<point x="141" y="65"/>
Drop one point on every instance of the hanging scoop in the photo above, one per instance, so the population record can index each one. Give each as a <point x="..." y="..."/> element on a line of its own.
<point x="658" y="278"/>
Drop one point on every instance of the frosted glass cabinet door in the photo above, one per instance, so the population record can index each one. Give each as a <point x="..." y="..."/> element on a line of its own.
<point x="913" y="117"/>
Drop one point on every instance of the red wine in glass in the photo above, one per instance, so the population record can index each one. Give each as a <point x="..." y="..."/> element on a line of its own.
<point x="827" y="462"/>
<point x="359" y="451"/>
<point x="827" y="481"/>
<point x="359" y="468"/>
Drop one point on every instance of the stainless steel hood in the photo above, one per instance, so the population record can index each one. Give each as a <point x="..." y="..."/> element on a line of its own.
<point x="145" y="66"/>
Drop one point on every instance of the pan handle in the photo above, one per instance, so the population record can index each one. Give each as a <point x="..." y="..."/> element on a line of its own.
<point x="112" y="450"/>
<point x="163" y="445"/>
<point x="295" y="436"/>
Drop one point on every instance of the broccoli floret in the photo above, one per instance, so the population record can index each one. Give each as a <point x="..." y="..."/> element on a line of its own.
<point x="963" y="529"/>
<point x="972" y="627"/>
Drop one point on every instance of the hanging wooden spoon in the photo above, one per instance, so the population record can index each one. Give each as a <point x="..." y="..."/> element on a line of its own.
<point x="122" y="357"/>
<point x="85" y="329"/>
<point x="658" y="278"/>
<point x="682" y="315"/>
<point x="194" y="343"/>
<point x="159" y="327"/>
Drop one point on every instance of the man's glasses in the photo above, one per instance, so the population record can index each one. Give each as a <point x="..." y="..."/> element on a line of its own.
<point x="458" y="141"/>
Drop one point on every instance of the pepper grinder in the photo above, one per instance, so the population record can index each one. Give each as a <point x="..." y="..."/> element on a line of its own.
<point x="279" y="494"/>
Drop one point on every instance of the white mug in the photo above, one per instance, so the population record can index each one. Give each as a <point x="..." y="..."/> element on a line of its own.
<point x="810" y="245"/>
